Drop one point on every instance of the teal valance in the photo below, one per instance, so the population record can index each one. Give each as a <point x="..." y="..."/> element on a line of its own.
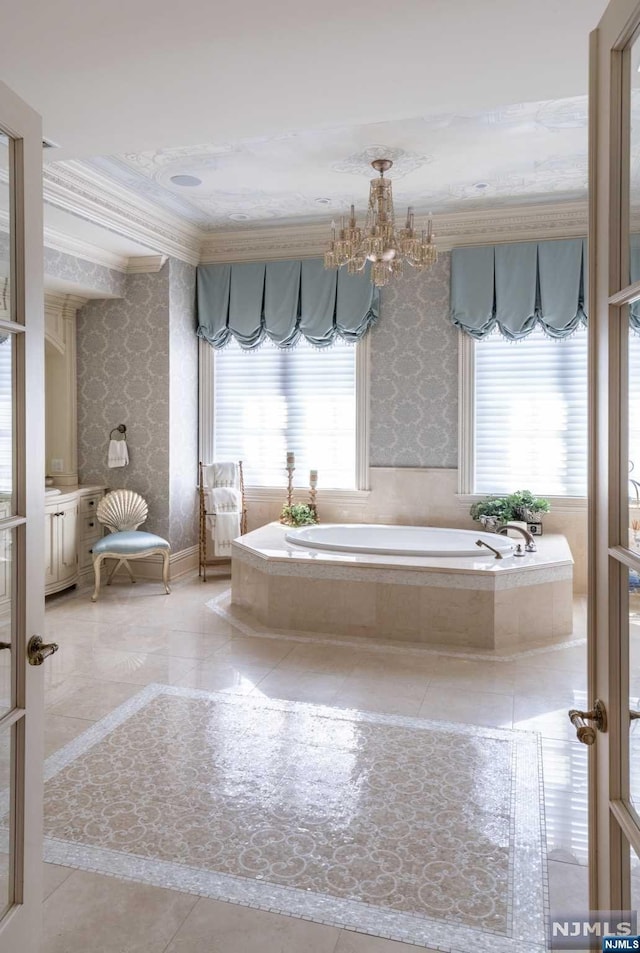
<point x="519" y="286"/>
<point x="282" y="301"/>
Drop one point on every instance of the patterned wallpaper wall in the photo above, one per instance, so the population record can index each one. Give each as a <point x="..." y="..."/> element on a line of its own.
<point x="86" y="274"/>
<point x="183" y="406"/>
<point x="414" y="373"/>
<point x="123" y="375"/>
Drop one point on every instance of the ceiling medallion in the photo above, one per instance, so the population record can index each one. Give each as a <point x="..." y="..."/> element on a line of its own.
<point x="379" y="242"/>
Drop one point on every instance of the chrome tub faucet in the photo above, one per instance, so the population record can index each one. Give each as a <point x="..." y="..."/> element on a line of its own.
<point x="530" y="546"/>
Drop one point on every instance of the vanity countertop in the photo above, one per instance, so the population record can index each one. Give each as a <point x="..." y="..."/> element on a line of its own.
<point x="82" y="489"/>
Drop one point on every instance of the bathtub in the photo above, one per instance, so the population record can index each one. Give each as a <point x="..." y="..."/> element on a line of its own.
<point x="398" y="540"/>
<point x="403" y="584"/>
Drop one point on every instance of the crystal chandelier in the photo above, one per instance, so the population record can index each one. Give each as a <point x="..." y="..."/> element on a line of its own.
<point x="379" y="242"/>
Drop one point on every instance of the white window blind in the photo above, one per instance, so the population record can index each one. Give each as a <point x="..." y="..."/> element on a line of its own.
<point x="531" y="414"/>
<point x="270" y="401"/>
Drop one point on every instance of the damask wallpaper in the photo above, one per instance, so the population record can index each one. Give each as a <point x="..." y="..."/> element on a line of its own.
<point x="123" y="377"/>
<point x="138" y="365"/>
<point x="183" y="406"/>
<point x="414" y="373"/>
<point x="85" y="274"/>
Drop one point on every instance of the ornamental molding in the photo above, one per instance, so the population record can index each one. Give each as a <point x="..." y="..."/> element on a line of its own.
<point x="522" y="223"/>
<point x="91" y="195"/>
<point x="145" y="264"/>
<point x="87" y="251"/>
<point x="96" y="198"/>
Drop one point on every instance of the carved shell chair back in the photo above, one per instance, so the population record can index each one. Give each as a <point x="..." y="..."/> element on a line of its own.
<point x="122" y="510"/>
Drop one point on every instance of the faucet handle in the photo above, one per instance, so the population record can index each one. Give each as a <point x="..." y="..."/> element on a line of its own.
<point x="519" y="551"/>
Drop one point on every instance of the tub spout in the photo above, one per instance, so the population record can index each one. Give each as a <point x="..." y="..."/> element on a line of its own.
<point x="530" y="546"/>
<point x="481" y="542"/>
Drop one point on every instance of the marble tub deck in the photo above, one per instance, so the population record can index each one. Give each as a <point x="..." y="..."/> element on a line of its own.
<point x="477" y="602"/>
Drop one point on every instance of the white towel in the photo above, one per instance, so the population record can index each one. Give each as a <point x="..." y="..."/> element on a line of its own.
<point x="225" y="527"/>
<point x="118" y="453"/>
<point x="224" y="474"/>
<point x="226" y="503"/>
<point x="223" y="499"/>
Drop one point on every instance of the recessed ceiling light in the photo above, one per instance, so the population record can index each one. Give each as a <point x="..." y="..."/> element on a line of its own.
<point x="323" y="201"/>
<point x="239" y="217"/>
<point x="481" y="185"/>
<point x="186" y="180"/>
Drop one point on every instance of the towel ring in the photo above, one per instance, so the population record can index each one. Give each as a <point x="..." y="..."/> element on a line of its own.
<point x="121" y="428"/>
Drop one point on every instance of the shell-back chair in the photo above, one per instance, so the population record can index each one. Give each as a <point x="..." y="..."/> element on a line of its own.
<point x="122" y="511"/>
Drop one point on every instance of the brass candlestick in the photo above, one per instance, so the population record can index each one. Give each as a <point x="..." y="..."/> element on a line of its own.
<point x="290" y="470"/>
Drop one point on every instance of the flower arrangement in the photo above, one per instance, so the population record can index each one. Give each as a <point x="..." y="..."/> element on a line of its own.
<point x="298" y="514"/>
<point x="495" y="511"/>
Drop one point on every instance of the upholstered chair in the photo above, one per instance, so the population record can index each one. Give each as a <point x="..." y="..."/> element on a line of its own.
<point x="122" y="511"/>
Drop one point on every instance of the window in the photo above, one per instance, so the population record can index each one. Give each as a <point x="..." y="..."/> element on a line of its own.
<point x="269" y="401"/>
<point x="526" y="414"/>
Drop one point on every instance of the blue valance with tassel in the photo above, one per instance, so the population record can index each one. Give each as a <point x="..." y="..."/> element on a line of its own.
<point x="519" y="286"/>
<point x="282" y="301"/>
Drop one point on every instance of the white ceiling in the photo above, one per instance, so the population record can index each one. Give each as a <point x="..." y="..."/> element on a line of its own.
<point x="133" y="77"/>
<point x="452" y="162"/>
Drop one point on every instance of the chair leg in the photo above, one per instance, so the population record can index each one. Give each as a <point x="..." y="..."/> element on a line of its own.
<point x="126" y="565"/>
<point x="116" y="565"/>
<point x="97" y="560"/>
<point x="165" y="571"/>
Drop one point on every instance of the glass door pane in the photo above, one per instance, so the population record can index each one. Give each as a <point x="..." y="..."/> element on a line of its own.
<point x="633" y="596"/>
<point x="632" y="450"/>
<point x="7" y="768"/>
<point x="634" y="166"/>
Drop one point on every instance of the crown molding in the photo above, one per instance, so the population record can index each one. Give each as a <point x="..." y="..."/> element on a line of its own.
<point x="145" y="264"/>
<point x="78" y="248"/>
<point x="86" y="193"/>
<point x="91" y="195"/>
<point x="491" y="226"/>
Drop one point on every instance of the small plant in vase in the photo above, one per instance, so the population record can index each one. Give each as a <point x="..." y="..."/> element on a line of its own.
<point x="492" y="512"/>
<point x="526" y="507"/>
<point x="298" y="514"/>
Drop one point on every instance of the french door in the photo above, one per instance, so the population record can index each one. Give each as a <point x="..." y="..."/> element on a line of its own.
<point x="21" y="525"/>
<point x="614" y="582"/>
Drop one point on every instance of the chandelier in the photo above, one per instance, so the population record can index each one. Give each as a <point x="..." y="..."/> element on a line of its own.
<point x="379" y="242"/>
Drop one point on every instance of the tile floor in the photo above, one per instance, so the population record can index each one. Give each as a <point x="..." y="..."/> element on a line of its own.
<point x="136" y="635"/>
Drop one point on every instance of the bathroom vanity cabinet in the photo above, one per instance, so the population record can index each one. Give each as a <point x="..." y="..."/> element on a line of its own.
<point x="71" y="529"/>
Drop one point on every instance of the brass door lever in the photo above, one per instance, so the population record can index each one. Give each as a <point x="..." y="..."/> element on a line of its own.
<point x="587" y="733"/>
<point x="38" y="651"/>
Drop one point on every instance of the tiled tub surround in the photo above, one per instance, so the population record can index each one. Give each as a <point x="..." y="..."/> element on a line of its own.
<point x="464" y="601"/>
<point x="422" y="831"/>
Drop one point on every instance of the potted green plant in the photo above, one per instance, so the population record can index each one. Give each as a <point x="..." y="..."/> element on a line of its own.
<point x="494" y="511"/>
<point x="298" y="514"/>
<point x="527" y="507"/>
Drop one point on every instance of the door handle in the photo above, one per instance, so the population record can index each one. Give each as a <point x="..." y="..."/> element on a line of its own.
<point x="38" y="651"/>
<point x="587" y="733"/>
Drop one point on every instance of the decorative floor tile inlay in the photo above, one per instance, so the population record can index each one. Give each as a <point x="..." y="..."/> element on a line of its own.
<point x="426" y="832"/>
